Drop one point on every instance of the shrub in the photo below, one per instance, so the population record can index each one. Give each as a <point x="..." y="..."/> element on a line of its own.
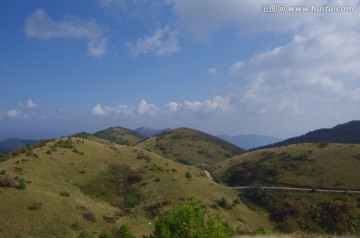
<point x="35" y="206"/>
<point x="65" y="194"/>
<point x="105" y="235"/>
<point x="223" y="203"/>
<point x="188" y="175"/>
<point x="89" y="216"/>
<point x="22" y="184"/>
<point x="124" y="232"/>
<point x="85" y="234"/>
<point x="190" y="221"/>
<point x="7" y="182"/>
<point x="3" y="172"/>
<point x="132" y="198"/>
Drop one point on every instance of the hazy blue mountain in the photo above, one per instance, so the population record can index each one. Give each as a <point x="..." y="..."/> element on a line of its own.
<point x="250" y="141"/>
<point x="150" y="132"/>
<point x="14" y="143"/>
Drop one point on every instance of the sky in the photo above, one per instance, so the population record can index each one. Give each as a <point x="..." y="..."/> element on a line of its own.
<point x="221" y="66"/>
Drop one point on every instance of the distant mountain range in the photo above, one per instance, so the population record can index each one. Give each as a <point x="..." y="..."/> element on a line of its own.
<point x="13" y="144"/>
<point x="348" y="133"/>
<point x="250" y="141"/>
<point x="150" y="132"/>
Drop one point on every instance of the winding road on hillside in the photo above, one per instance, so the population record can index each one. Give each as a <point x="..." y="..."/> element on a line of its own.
<point x="208" y="175"/>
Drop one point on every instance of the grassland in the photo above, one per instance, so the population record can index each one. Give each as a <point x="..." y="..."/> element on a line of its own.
<point x="75" y="184"/>
<point x="191" y="147"/>
<point x="319" y="165"/>
<point x="120" y="135"/>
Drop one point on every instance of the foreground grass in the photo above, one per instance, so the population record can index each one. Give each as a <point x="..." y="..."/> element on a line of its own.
<point x="69" y="190"/>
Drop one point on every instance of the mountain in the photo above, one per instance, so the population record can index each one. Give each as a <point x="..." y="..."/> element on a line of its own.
<point x="150" y="132"/>
<point x="120" y="135"/>
<point x="348" y="133"/>
<point x="78" y="183"/>
<point x="250" y="141"/>
<point x="189" y="146"/>
<point x="13" y="144"/>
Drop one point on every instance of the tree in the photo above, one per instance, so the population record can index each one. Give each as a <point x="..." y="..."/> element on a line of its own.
<point x="190" y="221"/>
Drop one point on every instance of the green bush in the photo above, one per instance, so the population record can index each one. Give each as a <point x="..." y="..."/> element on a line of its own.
<point x="124" y="232"/>
<point x="190" y="221"/>
<point x="188" y="175"/>
<point x="85" y="234"/>
<point x="105" y="235"/>
<point x="22" y="184"/>
<point x="223" y="203"/>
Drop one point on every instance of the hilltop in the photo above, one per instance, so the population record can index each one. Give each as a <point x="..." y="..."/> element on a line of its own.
<point x="348" y="133"/>
<point x="81" y="183"/>
<point x="189" y="146"/>
<point x="120" y="135"/>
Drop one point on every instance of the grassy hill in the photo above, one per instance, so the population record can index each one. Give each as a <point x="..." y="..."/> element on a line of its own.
<point x="75" y="184"/>
<point x="348" y="133"/>
<point x="120" y="135"/>
<point x="320" y="165"/>
<point x="190" y="147"/>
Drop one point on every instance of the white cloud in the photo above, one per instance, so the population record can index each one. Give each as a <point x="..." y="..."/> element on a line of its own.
<point x="321" y="61"/>
<point x="98" y="110"/>
<point x="13" y="113"/>
<point x="212" y="71"/>
<point x="203" y="17"/>
<point x="218" y="103"/>
<point x="173" y="106"/>
<point x="162" y="42"/>
<point x="29" y="104"/>
<point x="39" y="25"/>
<point x="147" y="108"/>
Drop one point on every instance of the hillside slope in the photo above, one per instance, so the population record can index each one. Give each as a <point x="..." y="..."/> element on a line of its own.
<point x="76" y="184"/>
<point x="322" y="165"/>
<point x="190" y="147"/>
<point x="344" y="133"/>
<point x="120" y="135"/>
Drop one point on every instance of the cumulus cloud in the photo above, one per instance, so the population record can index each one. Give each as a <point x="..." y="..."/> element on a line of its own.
<point x="13" y="113"/>
<point x="99" y="110"/>
<point x="162" y="42"/>
<point x="29" y="104"/>
<point x="39" y="25"/>
<point x="147" y="108"/>
<point x="173" y="106"/>
<point x="321" y="60"/>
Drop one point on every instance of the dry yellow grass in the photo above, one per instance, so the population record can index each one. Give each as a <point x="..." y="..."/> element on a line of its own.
<point x="55" y="178"/>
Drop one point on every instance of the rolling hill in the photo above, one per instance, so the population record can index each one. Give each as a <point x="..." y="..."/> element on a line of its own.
<point x="120" y="135"/>
<point x="74" y="184"/>
<point x="189" y="146"/>
<point x="348" y="133"/>
<point x="320" y="165"/>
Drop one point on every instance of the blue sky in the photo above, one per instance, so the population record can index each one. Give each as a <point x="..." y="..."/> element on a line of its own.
<point x="224" y="67"/>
